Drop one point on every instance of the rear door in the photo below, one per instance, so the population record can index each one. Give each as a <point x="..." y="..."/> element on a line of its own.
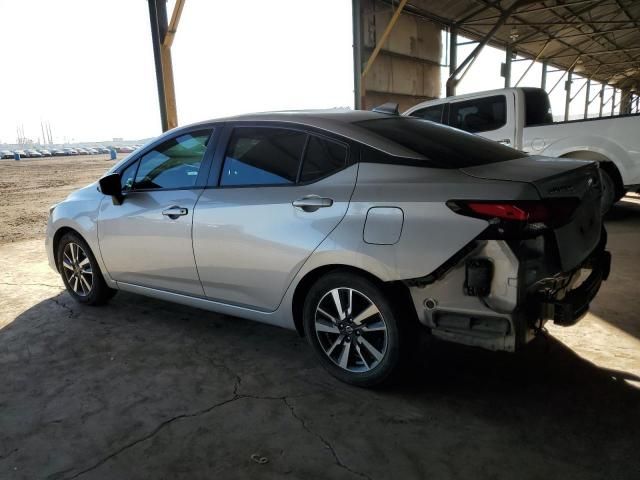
<point x="275" y="196"/>
<point x="486" y="116"/>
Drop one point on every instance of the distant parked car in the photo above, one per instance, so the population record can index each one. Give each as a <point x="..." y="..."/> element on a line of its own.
<point x="82" y="151"/>
<point x="125" y="149"/>
<point x="103" y="150"/>
<point x="45" y="152"/>
<point x="58" y="152"/>
<point x="6" y="154"/>
<point x="70" y="151"/>
<point x="22" y="153"/>
<point x="34" y="153"/>
<point x="92" y="151"/>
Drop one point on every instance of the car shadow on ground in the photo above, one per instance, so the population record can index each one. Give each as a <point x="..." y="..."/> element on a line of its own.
<point x="146" y="389"/>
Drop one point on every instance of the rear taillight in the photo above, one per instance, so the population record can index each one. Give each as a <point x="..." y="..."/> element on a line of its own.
<point x="537" y="213"/>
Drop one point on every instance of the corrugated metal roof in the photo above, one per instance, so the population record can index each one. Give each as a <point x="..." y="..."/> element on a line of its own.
<point x="600" y="37"/>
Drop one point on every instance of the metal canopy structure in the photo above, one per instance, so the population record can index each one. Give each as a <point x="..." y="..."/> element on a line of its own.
<point x="599" y="39"/>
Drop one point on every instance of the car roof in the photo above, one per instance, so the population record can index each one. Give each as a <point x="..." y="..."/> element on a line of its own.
<point x="338" y="121"/>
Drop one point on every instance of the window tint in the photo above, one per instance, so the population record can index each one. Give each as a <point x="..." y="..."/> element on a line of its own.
<point x="433" y="114"/>
<point x="321" y="158"/>
<point x="442" y="147"/>
<point x="128" y="176"/>
<point x="537" y="108"/>
<point x="173" y="164"/>
<point x="479" y="115"/>
<point x="262" y="156"/>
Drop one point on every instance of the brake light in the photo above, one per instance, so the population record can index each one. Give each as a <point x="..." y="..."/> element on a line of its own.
<point x="550" y="213"/>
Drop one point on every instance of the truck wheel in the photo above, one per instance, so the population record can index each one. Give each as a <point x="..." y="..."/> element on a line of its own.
<point x="608" y="192"/>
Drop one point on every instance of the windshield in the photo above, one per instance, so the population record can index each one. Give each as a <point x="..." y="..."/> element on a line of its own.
<point x="442" y="146"/>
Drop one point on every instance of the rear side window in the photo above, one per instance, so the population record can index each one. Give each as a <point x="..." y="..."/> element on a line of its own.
<point x="479" y="115"/>
<point x="262" y="156"/>
<point x="433" y="114"/>
<point x="174" y="163"/>
<point x="321" y="158"/>
<point x="537" y="107"/>
<point x="442" y="147"/>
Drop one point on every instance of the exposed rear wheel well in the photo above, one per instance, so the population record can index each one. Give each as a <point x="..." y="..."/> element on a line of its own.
<point x="397" y="292"/>
<point x="606" y="164"/>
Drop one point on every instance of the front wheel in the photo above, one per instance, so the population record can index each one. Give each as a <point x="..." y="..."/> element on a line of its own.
<point x="353" y="329"/>
<point x="80" y="272"/>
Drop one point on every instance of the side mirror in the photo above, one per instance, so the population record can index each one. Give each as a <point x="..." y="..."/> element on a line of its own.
<point x="110" y="185"/>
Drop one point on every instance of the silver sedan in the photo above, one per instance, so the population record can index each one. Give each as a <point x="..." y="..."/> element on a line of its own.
<point x="357" y="229"/>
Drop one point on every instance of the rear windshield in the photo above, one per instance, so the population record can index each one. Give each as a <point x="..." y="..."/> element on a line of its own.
<point x="443" y="147"/>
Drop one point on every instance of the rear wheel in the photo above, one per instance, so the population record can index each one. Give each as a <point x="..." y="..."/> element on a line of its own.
<point x="353" y="329"/>
<point x="80" y="272"/>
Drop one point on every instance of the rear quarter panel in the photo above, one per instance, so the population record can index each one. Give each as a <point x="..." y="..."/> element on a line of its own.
<point x="431" y="232"/>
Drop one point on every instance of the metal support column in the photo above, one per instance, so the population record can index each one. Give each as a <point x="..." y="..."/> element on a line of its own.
<point x="613" y="101"/>
<point x="453" y="59"/>
<point x="357" y="54"/>
<point x="452" y="80"/>
<point x="567" y="101"/>
<point x="586" y="98"/>
<point x="162" y="34"/>
<point x="601" y="100"/>
<point x="506" y="67"/>
<point x="156" y="40"/>
<point x="543" y="81"/>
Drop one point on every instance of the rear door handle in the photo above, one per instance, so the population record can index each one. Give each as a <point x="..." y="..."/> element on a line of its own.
<point x="312" y="203"/>
<point x="174" y="212"/>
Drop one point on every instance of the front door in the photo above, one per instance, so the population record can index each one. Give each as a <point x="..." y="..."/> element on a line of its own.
<point x="146" y="240"/>
<point x="253" y="233"/>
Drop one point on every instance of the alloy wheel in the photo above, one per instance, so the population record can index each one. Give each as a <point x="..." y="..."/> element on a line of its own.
<point x="351" y="330"/>
<point x="77" y="269"/>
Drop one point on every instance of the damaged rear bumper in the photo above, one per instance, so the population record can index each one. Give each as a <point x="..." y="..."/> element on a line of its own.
<point x="574" y="304"/>
<point x="521" y="297"/>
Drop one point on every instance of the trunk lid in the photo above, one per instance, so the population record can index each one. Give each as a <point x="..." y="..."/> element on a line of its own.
<point x="558" y="178"/>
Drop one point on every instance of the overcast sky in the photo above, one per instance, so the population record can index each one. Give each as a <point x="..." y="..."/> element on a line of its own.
<point x="86" y="66"/>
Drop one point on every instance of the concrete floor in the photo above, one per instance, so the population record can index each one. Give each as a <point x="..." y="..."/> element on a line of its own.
<point x="146" y="389"/>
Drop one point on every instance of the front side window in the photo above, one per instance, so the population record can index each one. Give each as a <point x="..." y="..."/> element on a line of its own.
<point x="262" y="156"/>
<point x="321" y="158"/>
<point x="128" y="176"/>
<point x="173" y="164"/>
<point x="479" y="115"/>
<point x="433" y="114"/>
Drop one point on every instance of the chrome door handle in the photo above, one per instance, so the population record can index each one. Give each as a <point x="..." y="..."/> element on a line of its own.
<point x="505" y="141"/>
<point x="312" y="203"/>
<point x="174" y="212"/>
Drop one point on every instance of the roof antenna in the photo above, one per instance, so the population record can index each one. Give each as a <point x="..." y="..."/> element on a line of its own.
<point x="389" y="108"/>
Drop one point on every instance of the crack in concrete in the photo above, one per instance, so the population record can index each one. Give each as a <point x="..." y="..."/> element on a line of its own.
<point x="155" y="431"/>
<point x="66" y="307"/>
<point x="236" y="396"/>
<point x="326" y="443"/>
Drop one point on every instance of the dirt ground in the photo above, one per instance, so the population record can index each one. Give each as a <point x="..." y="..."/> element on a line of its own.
<point x="143" y="389"/>
<point x="29" y="187"/>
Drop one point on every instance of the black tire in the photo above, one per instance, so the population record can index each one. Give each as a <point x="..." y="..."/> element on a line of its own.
<point x="609" y="192"/>
<point x="98" y="293"/>
<point x="380" y="372"/>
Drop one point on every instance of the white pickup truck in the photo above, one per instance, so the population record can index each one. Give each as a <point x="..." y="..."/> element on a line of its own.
<point x="521" y="118"/>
